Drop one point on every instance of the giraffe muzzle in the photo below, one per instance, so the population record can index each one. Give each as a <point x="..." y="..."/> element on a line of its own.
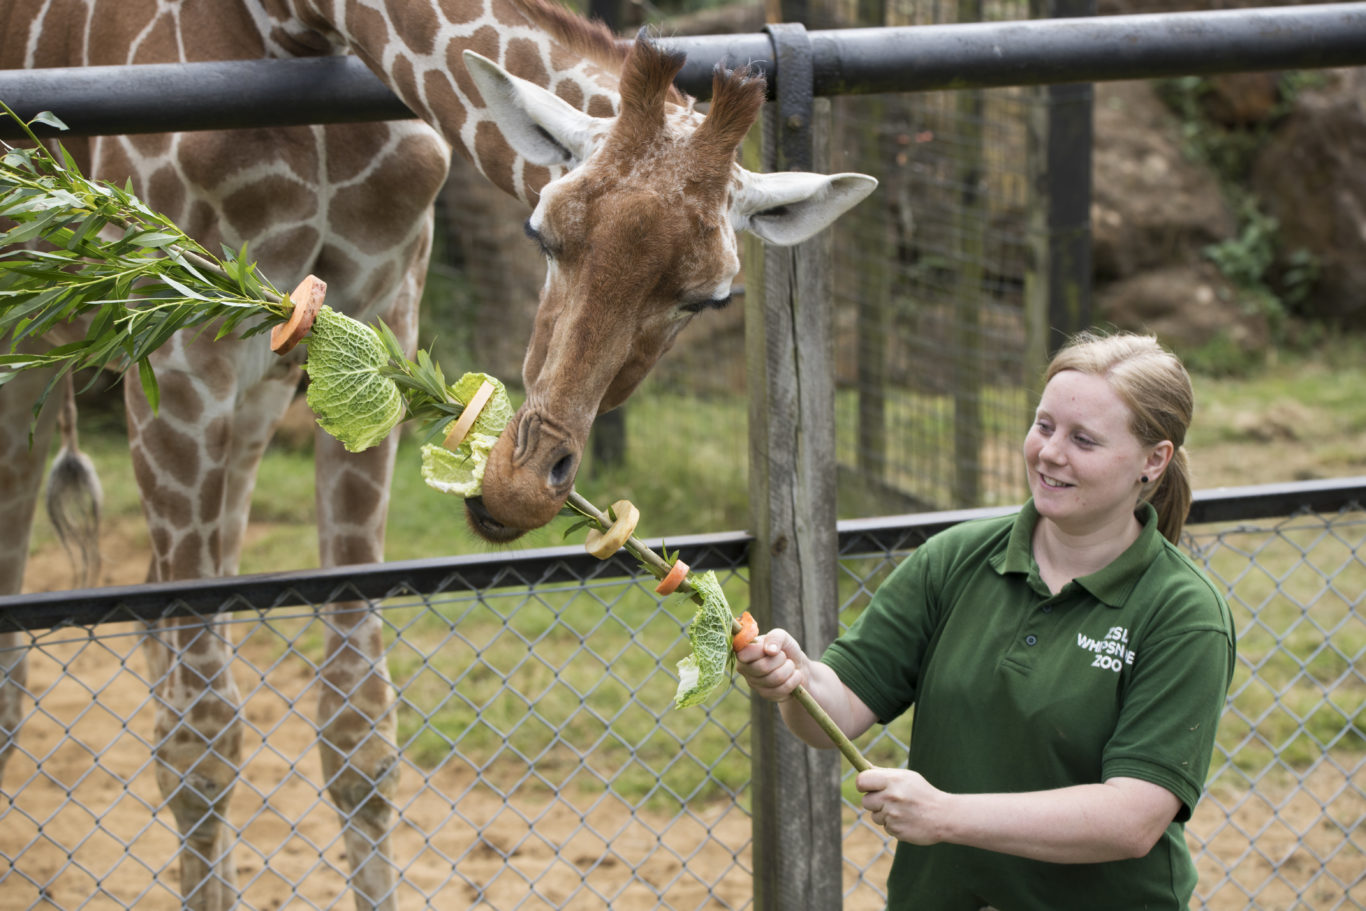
<point x="529" y="476"/>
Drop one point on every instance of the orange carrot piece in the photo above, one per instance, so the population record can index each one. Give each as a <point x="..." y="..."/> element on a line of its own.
<point x="749" y="631"/>
<point x="308" y="300"/>
<point x="672" y="579"/>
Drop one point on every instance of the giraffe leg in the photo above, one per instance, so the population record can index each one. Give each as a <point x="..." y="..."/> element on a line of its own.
<point x="356" y="717"/>
<point x="179" y="457"/>
<point x="21" y="471"/>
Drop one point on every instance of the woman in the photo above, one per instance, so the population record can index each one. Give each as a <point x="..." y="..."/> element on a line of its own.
<point x="1067" y="665"/>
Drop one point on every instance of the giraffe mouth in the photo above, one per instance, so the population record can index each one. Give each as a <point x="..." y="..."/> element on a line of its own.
<point x="483" y="524"/>
<point x="529" y="475"/>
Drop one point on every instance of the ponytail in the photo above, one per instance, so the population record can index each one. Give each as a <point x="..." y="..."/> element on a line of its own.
<point x="1171" y="496"/>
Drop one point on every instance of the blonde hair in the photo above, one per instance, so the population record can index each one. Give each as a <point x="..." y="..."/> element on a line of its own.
<point x="1157" y="390"/>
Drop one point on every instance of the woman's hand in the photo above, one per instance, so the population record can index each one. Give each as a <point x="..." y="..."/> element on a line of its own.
<point x="903" y="803"/>
<point x="774" y="665"/>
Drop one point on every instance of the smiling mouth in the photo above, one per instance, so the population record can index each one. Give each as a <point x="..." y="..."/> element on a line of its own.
<point x="1051" y="483"/>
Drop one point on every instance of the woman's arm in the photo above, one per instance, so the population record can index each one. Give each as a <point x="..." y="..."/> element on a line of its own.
<point x="1090" y="823"/>
<point x="774" y="665"/>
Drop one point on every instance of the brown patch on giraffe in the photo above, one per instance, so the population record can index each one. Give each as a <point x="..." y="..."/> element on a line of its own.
<point x="386" y="211"/>
<point x="460" y="11"/>
<point x="214" y="30"/>
<point x="211" y="492"/>
<point x="207" y="159"/>
<point x="160" y="538"/>
<point x="441" y="97"/>
<point x="534" y="177"/>
<point x="112" y="28"/>
<point x="155" y="47"/>
<point x="416" y="23"/>
<point x="494" y="153"/>
<point x="186" y="557"/>
<point x="569" y="90"/>
<point x="289" y="200"/>
<point x="151" y="145"/>
<point x="362" y="20"/>
<point x="177" y="453"/>
<point x="174" y="508"/>
<point x="352" y="148"/>
<point x="337" y="265"/>
<point x="115" y="164"/>
<point x="358" y="491"/>
<point x="182" y="402"/>
<point x="527" y="56"/>
<point x="345" y="550"/>
<point x="166" y="187"/>
<point x="601" y="106"/>
<point x="404" y="79"/>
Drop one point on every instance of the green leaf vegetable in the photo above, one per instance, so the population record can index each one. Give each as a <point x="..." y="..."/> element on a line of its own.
<point x="462" y="472"/>
<point x="712" y="660"/>
<point x="352" y="398"/>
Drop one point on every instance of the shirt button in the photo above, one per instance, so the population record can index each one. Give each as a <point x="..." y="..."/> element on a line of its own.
<point x="1031" y="639"/>
<point x="1047" y="608"/>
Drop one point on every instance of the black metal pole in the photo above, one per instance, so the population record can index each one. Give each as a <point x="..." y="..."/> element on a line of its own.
<point x="161" y="97"/>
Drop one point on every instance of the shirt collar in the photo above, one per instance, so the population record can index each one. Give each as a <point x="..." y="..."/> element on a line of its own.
<point x="1110" y="585"/>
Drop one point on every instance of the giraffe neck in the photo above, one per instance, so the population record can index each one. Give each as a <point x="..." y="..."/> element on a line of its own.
<point x="416" y="49"/>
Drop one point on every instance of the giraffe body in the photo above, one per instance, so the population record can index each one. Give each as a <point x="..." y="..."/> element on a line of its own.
<point x="637" y="200"/>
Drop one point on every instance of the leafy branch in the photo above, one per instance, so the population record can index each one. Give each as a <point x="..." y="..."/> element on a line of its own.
<point x="80" y="248"/>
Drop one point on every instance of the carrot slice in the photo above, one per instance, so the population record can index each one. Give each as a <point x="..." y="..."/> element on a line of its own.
<point x="672" y="579"/>
<point x="308" y="300"/>
<point x="461" y="428"/>
<point x="749" y="631"/>
<point x="602" y="544"/>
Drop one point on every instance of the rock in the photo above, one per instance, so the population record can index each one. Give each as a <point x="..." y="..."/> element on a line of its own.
<point x="1186" y="306"/>
<point x="1150" y="206"/>
<point x="1310" y="178"/>
<point x="1235" y="100"/>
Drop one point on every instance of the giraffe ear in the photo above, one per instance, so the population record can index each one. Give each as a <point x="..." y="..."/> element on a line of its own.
<point x="788" y="207"/>
<point x="538" y="124"/>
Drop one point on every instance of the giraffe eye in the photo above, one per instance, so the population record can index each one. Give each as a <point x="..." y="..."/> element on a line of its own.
<point x="718" y="303"/>
<point x="540" y="240"/>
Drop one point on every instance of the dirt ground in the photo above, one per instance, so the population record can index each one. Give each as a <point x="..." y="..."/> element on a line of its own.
<point x="82" y="827"/>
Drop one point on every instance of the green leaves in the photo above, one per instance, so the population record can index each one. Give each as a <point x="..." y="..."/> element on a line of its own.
<point x="76" y="249"/>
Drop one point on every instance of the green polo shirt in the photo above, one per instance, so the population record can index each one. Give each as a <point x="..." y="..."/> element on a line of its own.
<point x="1121" y="674"/>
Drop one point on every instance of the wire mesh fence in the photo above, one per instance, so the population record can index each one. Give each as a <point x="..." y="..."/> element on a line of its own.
<point x="543" y="766"/>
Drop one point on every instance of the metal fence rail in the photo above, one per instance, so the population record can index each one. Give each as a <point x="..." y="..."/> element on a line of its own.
<point x="544" y="767"/>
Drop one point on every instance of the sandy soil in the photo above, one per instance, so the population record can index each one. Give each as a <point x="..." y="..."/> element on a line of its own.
<point x="82" y="826"/>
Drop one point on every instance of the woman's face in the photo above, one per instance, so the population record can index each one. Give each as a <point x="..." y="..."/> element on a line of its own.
<point x="1083" y="461"/>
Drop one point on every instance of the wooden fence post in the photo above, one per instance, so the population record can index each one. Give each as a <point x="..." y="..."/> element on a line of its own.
<point x="789" y="341"/>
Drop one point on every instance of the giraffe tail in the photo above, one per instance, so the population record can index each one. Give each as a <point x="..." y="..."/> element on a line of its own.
<point x="74" y="495"/>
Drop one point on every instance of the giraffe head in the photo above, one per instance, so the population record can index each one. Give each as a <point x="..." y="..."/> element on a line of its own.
<point x="639" y="236"/>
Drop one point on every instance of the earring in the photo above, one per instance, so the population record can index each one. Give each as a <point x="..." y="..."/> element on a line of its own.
<point x="1144" y="479"/>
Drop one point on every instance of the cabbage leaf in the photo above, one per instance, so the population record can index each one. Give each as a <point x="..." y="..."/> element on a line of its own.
<point x="712" y="659"/>
<point x="461" y="472"/>
<point x="347" y="390"/>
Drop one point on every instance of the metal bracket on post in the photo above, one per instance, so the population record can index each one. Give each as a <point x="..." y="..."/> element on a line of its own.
<point x="794" y="93"/>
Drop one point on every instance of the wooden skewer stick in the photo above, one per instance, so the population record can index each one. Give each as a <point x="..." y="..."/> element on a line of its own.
<point x="660" y="568"/>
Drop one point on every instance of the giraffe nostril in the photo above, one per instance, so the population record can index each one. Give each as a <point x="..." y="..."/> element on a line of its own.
<point x="562" y="472"/>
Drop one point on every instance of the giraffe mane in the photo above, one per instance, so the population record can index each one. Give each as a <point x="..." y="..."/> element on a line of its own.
<point x="587" y="38"/>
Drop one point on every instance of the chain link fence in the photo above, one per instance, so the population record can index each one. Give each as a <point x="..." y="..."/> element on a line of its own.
<point x="542" y="762"/>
